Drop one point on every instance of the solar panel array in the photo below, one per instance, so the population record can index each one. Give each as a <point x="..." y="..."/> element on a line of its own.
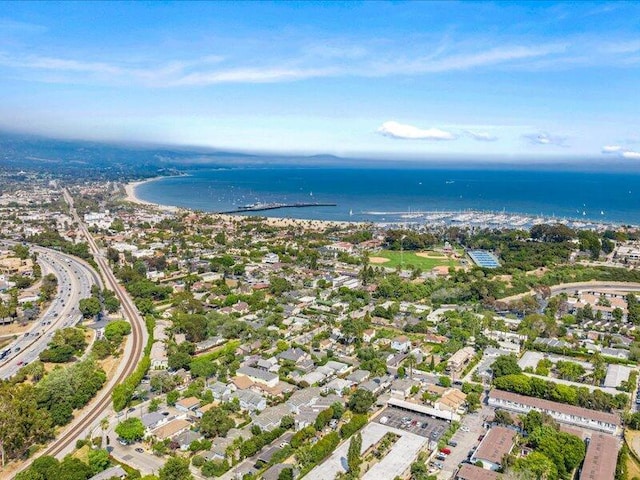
<point x="484" y="259"/>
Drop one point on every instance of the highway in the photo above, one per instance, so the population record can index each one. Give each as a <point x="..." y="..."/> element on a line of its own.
<point x="101" y="406"/>
<point x="75" y="279"/>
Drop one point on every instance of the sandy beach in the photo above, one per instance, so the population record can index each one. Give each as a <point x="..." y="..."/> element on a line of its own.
<point x="130" y="191"/>
<point x="130" y="196"/>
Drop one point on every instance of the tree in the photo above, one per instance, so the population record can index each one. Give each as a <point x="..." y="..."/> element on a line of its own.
<point x="73" y="469"/>
<point x="445" y="381"/>
<point x="287" y="422"/>
<point x="353" y="455"/>
<point x="98" y="461"/>
<point x="286" y="474"/>
<point x="505" y="365"/>
<point x="114" y="331"/>
<point x="361" y="401"/>
<point x="538" y="465"/>
<point x="175" y="469"/>
<point x="48" y="287"/>
<point x="131" y="429"/>
<point x="570" y="370"/>
<point x="89" y="307"/>
<point x="473" y="401"/>
<point x="172" y="397"/>
<point x="216" y="423"/>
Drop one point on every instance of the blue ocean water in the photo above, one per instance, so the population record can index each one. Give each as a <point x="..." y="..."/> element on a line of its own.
<point x="381" y="194"/>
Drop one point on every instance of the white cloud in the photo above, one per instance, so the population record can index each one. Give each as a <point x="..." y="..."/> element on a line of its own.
<point x="482" y="136"/>
<point x="622" y="152"/>
<point x="612" y="149"/>
<point x="544" y="138"/>
<point x="409" y="132"/>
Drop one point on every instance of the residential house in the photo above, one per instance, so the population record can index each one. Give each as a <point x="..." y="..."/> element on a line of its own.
<point x="601" y="458"/>
<point x="401" y="344"/>
<point x="187" y="405"/>
<point x="459" y="360"/>
<point x="471" y="472"/>
<point x="171" y="429"/>
<point x="110" y="474"/>
<point x="494" y="447"/>
<point x="259" y="376"/>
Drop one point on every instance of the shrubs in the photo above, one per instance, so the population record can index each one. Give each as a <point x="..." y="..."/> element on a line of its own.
<point x="580" y="396"/>
<point x="356" y="423"/>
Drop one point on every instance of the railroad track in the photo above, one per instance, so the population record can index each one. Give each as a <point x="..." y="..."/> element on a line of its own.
<point x="99" y="406"/>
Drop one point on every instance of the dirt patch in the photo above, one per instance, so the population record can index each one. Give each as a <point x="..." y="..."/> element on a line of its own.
<point x="14" y="328"/>
<point x="431" y="255"/>
<point x="378" y="260"/>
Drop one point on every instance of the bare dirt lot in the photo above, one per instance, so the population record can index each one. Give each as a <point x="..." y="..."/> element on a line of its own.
<point x="378" y="260"/>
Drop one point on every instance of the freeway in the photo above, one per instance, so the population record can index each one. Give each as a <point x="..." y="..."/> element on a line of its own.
<point x="75" y="279"/>
<point x="100" y="406"/>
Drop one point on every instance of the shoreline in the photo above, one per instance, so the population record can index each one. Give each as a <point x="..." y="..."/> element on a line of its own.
<point x="131" y="196"/>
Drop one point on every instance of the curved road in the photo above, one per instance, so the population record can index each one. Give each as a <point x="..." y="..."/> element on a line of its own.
<point x="75" y="279"/>
<point x="91" y="415"/>
<point x="572" y="287"/>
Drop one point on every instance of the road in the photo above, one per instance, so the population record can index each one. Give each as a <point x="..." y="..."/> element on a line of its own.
<point x="572" y="287"/>
<point x="89" y="418"/>
<point x="75" y="279"/>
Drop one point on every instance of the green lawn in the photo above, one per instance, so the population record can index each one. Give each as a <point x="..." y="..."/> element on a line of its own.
<point x="411" y="259"/>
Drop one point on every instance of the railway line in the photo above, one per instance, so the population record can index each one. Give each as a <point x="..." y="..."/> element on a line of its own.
<point x="101" y="404"/>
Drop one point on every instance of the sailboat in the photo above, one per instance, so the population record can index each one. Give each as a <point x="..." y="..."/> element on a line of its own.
<point x="350" y="212"/>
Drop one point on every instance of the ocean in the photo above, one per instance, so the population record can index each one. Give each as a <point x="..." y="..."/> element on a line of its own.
<point x="401" y="194"/>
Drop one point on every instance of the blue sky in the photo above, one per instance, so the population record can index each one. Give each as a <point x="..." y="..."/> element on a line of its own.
<point x="418" y="79"/>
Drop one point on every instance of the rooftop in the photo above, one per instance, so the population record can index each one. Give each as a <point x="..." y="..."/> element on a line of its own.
<point x="602" y="456"/>
<point x="498" y="443"/>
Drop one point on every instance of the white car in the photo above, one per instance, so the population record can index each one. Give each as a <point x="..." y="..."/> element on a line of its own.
<point x="384" y="420"/>
<point x="465" y="429"/>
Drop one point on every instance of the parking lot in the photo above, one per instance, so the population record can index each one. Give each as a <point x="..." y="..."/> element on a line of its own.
<point x="416" y="423"/>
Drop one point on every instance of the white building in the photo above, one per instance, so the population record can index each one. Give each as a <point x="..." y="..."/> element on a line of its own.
<point x="582" y="417"/>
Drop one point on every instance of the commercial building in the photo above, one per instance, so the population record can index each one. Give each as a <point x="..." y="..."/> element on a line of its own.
<point x="581" y="417"/>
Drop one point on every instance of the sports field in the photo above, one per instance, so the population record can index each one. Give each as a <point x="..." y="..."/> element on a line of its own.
<point x="425" y="260"/>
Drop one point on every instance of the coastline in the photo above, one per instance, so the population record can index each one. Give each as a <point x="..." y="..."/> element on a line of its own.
<point x="484" y="219"/>
<point x="130" y="196"/>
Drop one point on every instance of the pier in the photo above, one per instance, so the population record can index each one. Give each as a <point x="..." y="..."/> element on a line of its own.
<point x="258" y="207"/>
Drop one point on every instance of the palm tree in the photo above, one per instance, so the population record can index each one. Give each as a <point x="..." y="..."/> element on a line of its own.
<point x="411" y="362"/>
<point x="104" y="425"/>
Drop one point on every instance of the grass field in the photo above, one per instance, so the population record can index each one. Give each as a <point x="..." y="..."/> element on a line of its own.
<point x="409" y="259"/>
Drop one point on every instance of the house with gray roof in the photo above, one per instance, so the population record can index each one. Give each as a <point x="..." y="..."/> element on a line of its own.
<point x="358" y="376"/>
<point x="221" y="391"/>
<point x="153" y="420"/>
<point x="270" y="417"/>
<point x="259" y="376"/>
<point x="109" y="473"/>
<point x="295" y="355"/>
<point x="185" y="439"/>
<point x="250" y="401"/>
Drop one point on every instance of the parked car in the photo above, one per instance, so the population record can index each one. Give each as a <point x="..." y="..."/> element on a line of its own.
<point x="445" y="450"/>
<point x="452" y="443"/>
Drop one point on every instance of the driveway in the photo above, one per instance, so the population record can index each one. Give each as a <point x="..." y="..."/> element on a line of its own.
<point x="467" y="441"/>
